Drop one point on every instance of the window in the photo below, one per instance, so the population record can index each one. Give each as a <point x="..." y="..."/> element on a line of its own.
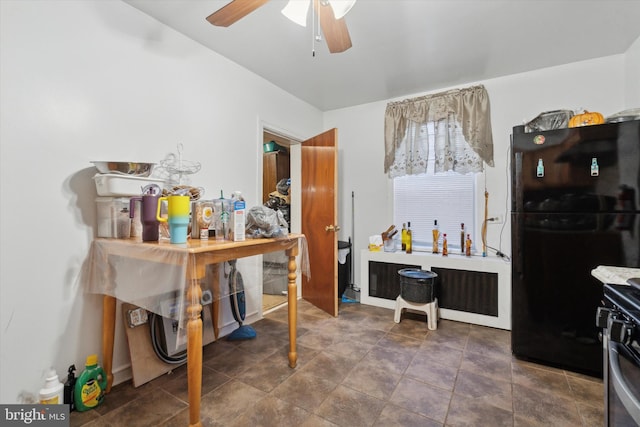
<point x="448" y="197"/>
<point x="436" y="148"/>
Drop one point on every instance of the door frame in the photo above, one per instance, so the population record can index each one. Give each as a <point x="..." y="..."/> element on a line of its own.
<point x="295" y="166"/>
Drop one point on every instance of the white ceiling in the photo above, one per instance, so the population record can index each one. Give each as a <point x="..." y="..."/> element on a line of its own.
<point x="403" y="47"/>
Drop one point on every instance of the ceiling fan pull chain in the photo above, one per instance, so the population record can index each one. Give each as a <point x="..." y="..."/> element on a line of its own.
<point x="313" y="29"/>
<point x="318" y="34"/>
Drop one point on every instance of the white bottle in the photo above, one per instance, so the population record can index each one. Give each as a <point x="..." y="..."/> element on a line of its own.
<point x="53" y="391"/>
<point x="239" y="216"/>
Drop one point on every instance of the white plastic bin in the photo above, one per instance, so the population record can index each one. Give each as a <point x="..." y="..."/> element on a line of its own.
<point x="116" y="185"/>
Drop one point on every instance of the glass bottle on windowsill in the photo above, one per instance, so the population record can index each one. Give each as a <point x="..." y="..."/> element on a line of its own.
<point x="467" y="245"/>
<point x="409" y="243"/>
<point x="403" y="236"/>
<point x="436" y="236"/>
<point x="462" y="233"/>
<point x="445" y="249"/>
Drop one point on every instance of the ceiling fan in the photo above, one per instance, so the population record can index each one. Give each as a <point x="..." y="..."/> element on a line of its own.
<point x="330" y="12"/>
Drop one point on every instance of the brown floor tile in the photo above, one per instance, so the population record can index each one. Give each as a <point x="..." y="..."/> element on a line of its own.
<point x="428" y="371"/>
<point x="271" y="412"/>
<point x="412" y="328"/>
<point x="361" y="369"/>
<point x="318" y="340"/>
<point x="226" y="403"/>
<point x="489" y="365"/>
<point x="396" y="416"/>
<point x="586" y="391"/>
<point x="263" y="345"/>
<point x="421" y="398"/>
<point x="150" y="409"/>
<point x="267" y="375"/>
<point x="496" y="392"/>
<point x="400" y="343"/>
<point x="181" y="419"/>
<point x="430" y="350"/>
<point x="305" y="390"/>
<point x="542" y="379"/>
<point x="449" y="335"/>
<point x="305" y="354"/>
<point x="350" y="348"/>
<point x="592" y="416"/>
<point x="465" y="411"/>
<point x="77" y="419"/>
<point x="540" y="407"/>
<point x="389" y="359"/>
<point x="316" y="421"/>
<point x="368" y="378"/>
<point x="211" y="380"/>
<point x="350" y="408"/>
<point x="122" y="394"/>
<point x="233" y="362"/>
<point x="332" y="367"/>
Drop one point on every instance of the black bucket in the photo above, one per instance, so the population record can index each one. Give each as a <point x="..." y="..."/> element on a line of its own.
<point x="417" y="285"/>
<point x="344" y="267"/>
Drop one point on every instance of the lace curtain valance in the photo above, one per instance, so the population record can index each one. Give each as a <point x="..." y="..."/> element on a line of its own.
<point x="469" y="108"/>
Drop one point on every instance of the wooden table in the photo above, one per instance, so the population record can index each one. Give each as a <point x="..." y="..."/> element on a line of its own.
<point x="190" y="259"/>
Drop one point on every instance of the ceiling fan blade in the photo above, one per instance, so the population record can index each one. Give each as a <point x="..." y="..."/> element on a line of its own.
<point x="234" y="11"/>
<point x="335" y="30"/>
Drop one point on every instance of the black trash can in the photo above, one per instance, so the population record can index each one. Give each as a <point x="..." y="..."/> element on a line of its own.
<point x="344" y="266"/>
<point x="417" y="285"/>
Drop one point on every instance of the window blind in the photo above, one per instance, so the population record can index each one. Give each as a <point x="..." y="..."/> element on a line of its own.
<point x="447" y="197"/>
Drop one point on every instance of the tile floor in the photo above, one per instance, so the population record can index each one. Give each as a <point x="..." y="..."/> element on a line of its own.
<point x="361" y="369"/>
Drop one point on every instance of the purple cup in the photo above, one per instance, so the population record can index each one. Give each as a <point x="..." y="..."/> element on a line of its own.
<point x="150" y="224"/>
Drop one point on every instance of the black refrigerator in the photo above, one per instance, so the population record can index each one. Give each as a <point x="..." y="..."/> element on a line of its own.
<point x="574" y="207"/>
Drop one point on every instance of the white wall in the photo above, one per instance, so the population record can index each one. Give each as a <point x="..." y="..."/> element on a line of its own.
<point x="99" y="80"/>
<point x="632" y="75"/>
<point x="597" y="85"/>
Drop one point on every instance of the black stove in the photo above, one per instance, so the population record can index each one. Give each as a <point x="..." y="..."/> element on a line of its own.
<point x="620" y="320"/>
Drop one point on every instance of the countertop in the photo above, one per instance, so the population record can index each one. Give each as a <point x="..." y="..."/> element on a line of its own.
<point x="614" y="275"/>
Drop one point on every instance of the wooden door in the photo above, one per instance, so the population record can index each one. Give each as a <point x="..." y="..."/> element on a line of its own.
<point x="319" y="203"/>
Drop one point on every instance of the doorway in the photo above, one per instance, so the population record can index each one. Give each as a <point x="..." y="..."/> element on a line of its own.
<point x="276" y="194"/>
<point x="313" y="188"/>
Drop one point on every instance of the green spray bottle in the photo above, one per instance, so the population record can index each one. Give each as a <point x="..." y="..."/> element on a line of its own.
<point x="90" y="385"/>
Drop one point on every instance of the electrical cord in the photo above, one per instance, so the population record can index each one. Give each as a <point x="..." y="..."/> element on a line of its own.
<point x="158" y="348"/>
<point x="500" y="254"/>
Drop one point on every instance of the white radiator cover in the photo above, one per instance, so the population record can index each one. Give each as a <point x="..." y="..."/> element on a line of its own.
<point x="426" y="261"/>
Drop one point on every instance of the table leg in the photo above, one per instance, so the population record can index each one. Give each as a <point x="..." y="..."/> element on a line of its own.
<point x="194" y="352"/>
<point x="108" y="332"/>
<point x="215" y="304"/>
<point x="215" y="313"/>
<point x="194" y="343"/>
<point x="292" y="297"/>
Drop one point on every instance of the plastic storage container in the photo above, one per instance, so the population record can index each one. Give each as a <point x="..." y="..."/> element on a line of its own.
<point x="112" y="217"/>
<point x="417" y="285"/>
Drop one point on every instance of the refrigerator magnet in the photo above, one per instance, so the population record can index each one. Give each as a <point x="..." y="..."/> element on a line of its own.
<point x="595" y="169"/>
<point x="540" y="169"/>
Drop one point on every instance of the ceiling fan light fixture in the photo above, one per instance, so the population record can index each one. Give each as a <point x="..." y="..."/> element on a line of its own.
<point x="297" y="10"/>
<point x="341" y="7"/>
